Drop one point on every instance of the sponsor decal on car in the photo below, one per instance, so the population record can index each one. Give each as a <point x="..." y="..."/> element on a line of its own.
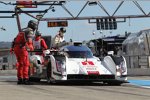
<point x="93" y="72"/>
<point x="90" y="67"/>
<point x="87" y="63"/>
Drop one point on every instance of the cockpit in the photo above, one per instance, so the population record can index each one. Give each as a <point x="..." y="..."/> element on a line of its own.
<point x="78" y="52"/>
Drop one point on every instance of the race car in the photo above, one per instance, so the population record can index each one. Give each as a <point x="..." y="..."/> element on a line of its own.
<point x="76" y="62"/>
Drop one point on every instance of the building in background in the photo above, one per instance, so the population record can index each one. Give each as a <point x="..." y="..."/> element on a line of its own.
<point x="101" y="46"/>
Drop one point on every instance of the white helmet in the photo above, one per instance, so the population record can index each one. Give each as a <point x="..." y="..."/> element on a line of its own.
<point x="46" y="52"/>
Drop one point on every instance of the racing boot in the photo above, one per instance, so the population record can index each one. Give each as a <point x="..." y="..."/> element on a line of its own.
<point x="20" y="81"/>
<point x="26" y="81"/>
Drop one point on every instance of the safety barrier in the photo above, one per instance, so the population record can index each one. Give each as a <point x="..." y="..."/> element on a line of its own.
<point x="138" y="65"/>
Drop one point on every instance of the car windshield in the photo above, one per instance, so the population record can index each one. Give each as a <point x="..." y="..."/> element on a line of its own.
<point x="79" y="54"/>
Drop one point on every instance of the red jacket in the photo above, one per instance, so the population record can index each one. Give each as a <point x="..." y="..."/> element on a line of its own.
<point x="43" y="45"/>
<point x="24" y="39"/>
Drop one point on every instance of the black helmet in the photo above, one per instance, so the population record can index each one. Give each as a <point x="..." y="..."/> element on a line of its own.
<point x="32" y="24"/>
<point x="38" y="33"/>
<point x="62" y="30"/>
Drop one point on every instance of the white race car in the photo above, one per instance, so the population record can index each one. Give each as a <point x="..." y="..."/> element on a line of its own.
<point x="77" y="63"/>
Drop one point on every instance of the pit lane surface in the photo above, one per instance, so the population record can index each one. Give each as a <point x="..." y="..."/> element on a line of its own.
<point x="69" y="91"/>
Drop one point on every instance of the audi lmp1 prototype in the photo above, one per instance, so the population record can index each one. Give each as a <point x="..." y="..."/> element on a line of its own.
<point x="76" y="63"/>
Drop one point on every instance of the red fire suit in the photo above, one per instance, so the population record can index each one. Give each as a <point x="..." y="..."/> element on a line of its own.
<point x="22" y="42"/>
<point x="39" y="43"/>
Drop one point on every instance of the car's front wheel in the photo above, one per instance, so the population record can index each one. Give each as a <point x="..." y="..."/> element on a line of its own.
<point x="34" y="79"/>
<point x="49" y="71"/>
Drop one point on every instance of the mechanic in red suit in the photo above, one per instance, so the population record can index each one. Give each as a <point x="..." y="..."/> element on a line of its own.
<point x="21" y="44"/>
<point x="39" y="43"/>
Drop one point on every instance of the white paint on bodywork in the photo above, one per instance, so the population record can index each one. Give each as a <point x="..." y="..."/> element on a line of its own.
<point x="110" y="64"/>
<point x="75" y="66"/>
<point x="35" y="58"/>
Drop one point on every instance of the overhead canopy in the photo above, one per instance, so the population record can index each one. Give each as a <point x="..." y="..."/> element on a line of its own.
<point x="109" y="42"/>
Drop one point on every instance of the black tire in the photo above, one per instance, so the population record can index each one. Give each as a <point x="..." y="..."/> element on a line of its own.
<point x="114" y="83"/>
<point x="48" y="72"/>
<point x="34" y="79"/>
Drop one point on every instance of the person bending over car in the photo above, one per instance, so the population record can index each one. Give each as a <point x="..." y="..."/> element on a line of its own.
<point x="39" y="43"/>
<point x="59" y="38"/>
